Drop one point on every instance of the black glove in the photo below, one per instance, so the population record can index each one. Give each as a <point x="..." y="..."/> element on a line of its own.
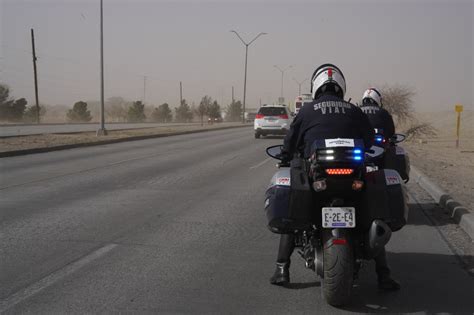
<point x="285" y="159"/>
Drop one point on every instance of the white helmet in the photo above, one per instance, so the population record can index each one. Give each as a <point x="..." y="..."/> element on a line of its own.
<point x="328" y="76"/>
<point x="374" y="95"/>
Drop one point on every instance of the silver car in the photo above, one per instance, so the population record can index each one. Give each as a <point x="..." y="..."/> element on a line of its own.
<point x="272" y="120"/>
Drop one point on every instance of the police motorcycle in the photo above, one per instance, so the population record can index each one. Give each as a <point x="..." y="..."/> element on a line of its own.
<point x="394" y="156"/>
<point x="340" y="213"/>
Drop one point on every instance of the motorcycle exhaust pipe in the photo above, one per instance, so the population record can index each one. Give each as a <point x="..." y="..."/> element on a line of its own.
<point x="379" y="235"/>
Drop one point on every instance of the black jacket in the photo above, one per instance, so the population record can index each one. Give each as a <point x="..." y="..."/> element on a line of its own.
<point x="327" y="117"/>
<point x="379" y="118"/>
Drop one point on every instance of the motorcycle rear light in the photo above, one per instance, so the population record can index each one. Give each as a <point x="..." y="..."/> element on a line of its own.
<point x="259" y="116"/>
<point x="357" y="185"/>
<point x="339" y="241"/>
<point x="339" y="171"/>
<point x="283" y="116"/>
<point x="320" y="185"/>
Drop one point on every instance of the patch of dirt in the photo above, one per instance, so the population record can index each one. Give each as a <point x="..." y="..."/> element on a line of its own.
<point x="52" y="140"/>
<point x="450" y="167"/>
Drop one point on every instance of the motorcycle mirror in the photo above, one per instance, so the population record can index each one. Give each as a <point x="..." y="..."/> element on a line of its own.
<point x="275" y="151"/>
<point x="398" y="137"/>
<point x="373" y="152"/>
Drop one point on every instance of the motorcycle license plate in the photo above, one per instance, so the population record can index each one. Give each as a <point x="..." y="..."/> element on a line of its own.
<point x="338" y="217"/>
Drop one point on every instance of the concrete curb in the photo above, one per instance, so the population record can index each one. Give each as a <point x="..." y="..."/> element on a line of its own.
<point x="104" y="142"/>
<point x="461" y="215"/>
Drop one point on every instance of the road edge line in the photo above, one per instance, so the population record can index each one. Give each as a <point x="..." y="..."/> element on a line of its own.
<point x="52" y="278"/>
<point x="463" y="216"/>
<point x="104" y="142"/>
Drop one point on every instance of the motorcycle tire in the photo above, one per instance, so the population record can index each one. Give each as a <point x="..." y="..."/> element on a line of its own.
<point x="338" y="268"/>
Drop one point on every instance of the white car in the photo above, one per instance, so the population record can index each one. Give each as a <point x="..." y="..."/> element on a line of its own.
<point x="272" y="120"/>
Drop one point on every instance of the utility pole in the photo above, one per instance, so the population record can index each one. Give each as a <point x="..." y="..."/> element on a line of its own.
<point x="102" y="131"/>
<point x="180" y="93"/>
<point x="245" y="76"/>
<point x="282" y="75"/>
<point x="144" y="89"/>
<point x="36" y="76"/>
<point x="299" y="85"/>
<point x="233" y="95"/>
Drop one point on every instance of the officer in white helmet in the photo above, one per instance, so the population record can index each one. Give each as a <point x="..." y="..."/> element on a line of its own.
<point x="378" y="116"/>
<point x="329" y="116"/>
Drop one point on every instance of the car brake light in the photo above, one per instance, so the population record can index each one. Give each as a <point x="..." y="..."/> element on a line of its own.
<point x="259" y="116"/>
<point x="285" y="116"/>
<point x="339" y="171"/>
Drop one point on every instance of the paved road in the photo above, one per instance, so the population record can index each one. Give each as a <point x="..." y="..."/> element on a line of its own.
<point x="22" y="130"/>
<point x="175" y="225"/>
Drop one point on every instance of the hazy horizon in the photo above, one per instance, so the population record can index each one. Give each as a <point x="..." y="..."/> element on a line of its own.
<point x="426" y="45"/>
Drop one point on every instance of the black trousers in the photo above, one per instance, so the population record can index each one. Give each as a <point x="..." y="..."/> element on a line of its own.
<point x="287" y="246"/>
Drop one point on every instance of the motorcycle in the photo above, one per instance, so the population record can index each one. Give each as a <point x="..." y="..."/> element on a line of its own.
<point x="394" y="156"/>
<point x="339" y="213"/>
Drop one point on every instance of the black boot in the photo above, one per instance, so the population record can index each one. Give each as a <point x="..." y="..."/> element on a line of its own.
<point x="281" y="275"/>
<point x="385" y="281"/>
<point x="282" y="272"/>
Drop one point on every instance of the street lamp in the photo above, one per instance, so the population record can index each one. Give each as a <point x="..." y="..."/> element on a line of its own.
<point x="245" y="76"/>
<point x="102" y="131"/>
<point x="282" y="74"/>
<point x="299" y="84"/>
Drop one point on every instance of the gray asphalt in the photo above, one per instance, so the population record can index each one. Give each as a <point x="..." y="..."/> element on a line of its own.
<point x="176" y="225"/>
<point x="23" y="130"/>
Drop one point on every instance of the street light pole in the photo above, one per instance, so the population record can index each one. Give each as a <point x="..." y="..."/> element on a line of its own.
<point x="245" y="75"/>
<point x="299" y="85"/>
<point x="102" y="131"/>
<point x="282" y="74"/>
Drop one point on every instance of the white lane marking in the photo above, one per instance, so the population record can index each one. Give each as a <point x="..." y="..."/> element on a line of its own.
<point x="47" y="281"/>
<point x="260" y="164"/>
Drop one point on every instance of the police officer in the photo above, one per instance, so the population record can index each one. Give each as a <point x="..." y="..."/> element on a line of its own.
<point x="329" y="116"/>
<point x="381" y="120"/>
<point x="378" y="116"/>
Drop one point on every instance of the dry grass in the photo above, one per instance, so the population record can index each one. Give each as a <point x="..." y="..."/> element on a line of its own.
<point x="53" y="140"/>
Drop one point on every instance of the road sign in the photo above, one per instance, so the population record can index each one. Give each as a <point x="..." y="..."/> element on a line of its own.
<point x="458" y="108"/>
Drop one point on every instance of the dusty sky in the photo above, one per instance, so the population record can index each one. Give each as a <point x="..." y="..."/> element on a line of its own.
<point x="424" y="44"/>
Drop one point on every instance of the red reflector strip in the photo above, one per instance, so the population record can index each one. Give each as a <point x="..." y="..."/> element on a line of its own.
<point x="339" y="171"/>
<point x="284" y="116"/>
<point x="339" y="241"/>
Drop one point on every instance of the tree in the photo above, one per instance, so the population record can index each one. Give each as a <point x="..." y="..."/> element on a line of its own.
<point x="398" y="101"/>
<point x="162" y="113"/>
<point x="4" y="93"/>
<point x="203" y="108"/>
<point x="13" y="110"/>
<point x="136" y="113"/>
<point x="214" y="111"/>
<point x="116" y="108"/>
<point x="30" y="113"/>
<point x="79" y="113"/>
<point x="234" y="111"/>
<point x="183" y="112"/>
<point x="10" y="109"/>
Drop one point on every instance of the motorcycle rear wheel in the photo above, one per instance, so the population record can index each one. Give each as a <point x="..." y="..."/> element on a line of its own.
<point x="338" y="268"/>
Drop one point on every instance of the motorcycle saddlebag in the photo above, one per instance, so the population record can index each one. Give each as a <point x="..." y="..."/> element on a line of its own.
<point x="288" y="200"/>
<point x="397" y="159"/>
<point x="385" y="198"/>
